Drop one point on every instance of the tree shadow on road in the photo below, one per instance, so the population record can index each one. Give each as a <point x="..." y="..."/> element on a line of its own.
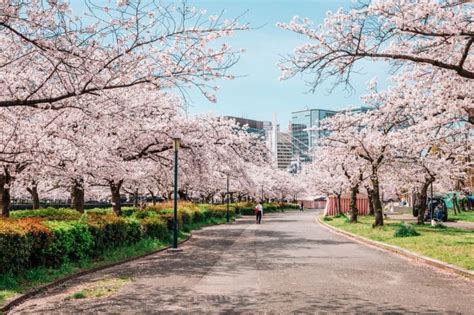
<point x="157" y="289"/>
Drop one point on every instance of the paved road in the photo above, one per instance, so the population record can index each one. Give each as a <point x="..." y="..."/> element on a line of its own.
<point x="287" y="264"/>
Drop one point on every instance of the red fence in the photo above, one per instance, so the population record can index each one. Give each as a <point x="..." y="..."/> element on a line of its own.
<point x="313" y="204"/>
<point x="362" y="205"/>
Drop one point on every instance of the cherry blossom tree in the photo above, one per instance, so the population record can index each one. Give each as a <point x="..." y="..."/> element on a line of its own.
<point x="52" y="56"/>
<point x="435" y="34"/>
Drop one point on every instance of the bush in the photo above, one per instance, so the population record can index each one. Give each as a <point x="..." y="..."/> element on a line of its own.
<point x="51" y="237"/>
<point x="128" y="211"/>
<point x="51" y="214"/>
<point x="220" y="211"/>
<point x="99" y="211"/>
<point x="155" y="227"/>
<point x="142" y="214"/>
<point x="406" y="230"/>
<point x="134" y="230"/>
<point x="21" y="243"/>
<point x="71" y="241"/>
<point x="15" y="247"/>
<point x="40" y="236"/>
<point x="108" y="231"/>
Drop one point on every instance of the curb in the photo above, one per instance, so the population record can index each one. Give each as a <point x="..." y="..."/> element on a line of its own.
<point x="400" y="251"/>
<point x="22" y="298"/>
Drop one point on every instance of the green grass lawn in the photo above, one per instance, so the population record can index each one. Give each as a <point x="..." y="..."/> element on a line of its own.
<point x="463" y="216"/>
<point x="451" y="245"/>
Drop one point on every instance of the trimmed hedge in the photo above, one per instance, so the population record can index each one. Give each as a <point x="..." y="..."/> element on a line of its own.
<point x="51" y="237"/>
<point x="60" y="214"/>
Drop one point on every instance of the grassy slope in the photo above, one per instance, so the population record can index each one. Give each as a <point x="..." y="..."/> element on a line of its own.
<point x="463" y="216"/>
<point x="454" y="246"/>
<point x="11" y="285"/>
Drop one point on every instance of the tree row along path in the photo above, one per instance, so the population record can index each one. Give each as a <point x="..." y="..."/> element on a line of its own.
<point x="289" y="263"/>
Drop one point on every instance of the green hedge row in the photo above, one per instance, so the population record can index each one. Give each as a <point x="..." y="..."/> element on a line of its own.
<point x="56" y="236"/>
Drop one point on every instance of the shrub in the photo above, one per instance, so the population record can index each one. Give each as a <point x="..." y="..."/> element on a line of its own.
<point x="406" y="230"/>
<point x="199" y="216"/>
<point x="142" y="214"/>
<point x="21" y="243"/>
<point x="134" y="230"/>
<point x="108" y="231"/>
<point x="168" y="216"/>
<point x="326" y="218"/>
<point x="99" y="211"/>
<point x="187" y="216"/>
<point x="155" y="227"/>
<point x="40" y="236"/>
<point x="128" y="211"/>
<point x="15" y="247"/>
<point x="51" y="214"/>
<point x="71" y="241"/>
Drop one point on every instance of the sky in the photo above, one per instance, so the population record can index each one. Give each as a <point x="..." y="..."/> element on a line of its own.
<point x="257" y="93"/>
<point x="260" y="93"/>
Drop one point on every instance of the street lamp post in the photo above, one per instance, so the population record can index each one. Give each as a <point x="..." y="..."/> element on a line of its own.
<point x="262" y="194"/>
<point x="176" y="144"/>
<point x="228" y="197"/>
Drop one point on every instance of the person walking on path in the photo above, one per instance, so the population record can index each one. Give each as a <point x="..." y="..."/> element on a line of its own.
<point x="301" y="206"/>
<point x="259" y="212"/>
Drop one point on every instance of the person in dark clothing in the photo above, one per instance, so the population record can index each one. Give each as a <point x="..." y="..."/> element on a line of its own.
<point x="301" y="206"/>
<point x="259" y="213"/>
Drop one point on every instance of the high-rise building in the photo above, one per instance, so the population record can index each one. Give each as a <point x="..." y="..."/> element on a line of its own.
<point x="254" y="126"/>
<point x="284" y="150"/>
<point x="302" y="123"/>
<point x="303" y="137"/>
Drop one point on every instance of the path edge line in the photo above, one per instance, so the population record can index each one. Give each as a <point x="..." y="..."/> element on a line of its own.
<point x="29" y="294"/>
<point x="400" y="251"/>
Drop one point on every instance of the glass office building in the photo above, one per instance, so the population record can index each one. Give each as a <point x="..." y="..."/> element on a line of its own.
<point x="303" y="139"/>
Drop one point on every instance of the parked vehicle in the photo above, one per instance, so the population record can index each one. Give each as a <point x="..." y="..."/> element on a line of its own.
<point x="437" y="207"/>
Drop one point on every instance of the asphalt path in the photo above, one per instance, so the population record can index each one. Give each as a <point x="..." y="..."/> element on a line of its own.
<point x="289" y="263"/>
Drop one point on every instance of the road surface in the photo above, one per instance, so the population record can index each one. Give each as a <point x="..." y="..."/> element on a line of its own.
<point x="287" y="264"/>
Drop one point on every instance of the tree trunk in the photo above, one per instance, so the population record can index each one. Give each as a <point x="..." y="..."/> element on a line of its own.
<point x="152" y="194"/>
<point x="371" y="203"/>
<point x="182" y="195"/>
<point x="77" y="195"/>
<point x="455" y="204"/>
<point x="135" y="198"/>
<point x="115" y="190"/>
<point x="376" y="201"/>
<point x="339" y="206"/>
<point x="5" y="198"/>
<point x="354" y="210"/>
<point x="423" y="203"/>
<point x="33" y="190"/>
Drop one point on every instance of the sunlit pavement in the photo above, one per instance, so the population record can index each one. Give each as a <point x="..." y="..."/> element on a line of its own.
<point x="287" y="264"/>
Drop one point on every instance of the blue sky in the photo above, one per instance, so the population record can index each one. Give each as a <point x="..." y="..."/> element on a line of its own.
<point x="259" y="93"/>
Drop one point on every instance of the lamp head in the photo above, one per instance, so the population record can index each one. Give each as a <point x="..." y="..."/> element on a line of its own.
<point x="176" y="143"/>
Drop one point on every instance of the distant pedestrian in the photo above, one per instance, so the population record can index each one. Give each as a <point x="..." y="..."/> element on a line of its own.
<point x="301" y="206"/>
<point x="259" y="212"/>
